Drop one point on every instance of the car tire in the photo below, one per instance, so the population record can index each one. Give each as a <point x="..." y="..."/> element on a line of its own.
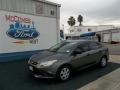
<point x="103" y="62"/>
<point x="64" y="73"/>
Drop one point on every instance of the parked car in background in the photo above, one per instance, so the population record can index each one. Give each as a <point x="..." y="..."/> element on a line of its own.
<point x="68" y="56"/>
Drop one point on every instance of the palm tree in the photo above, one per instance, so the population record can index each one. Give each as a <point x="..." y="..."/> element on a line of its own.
<point x="71" y="21"/>
<point x="80" y="19"/>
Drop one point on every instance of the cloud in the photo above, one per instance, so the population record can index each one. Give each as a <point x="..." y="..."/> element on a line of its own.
<point x="93" y="11"/>
<point x="109" y="12"/>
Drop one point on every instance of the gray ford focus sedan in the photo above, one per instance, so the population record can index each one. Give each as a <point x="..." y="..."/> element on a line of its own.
<point x="72" y="55"/>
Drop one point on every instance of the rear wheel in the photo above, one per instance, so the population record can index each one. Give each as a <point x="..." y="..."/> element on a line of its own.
<point x="64" y="73"/>
<point x="103" y="62"/>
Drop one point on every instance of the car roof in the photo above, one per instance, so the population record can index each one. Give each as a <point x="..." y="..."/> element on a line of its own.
<point x="80" y="41"/>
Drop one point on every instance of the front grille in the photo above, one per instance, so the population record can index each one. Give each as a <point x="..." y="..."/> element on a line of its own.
<point x="40" y="72"/>
<point x="36" y="71"/>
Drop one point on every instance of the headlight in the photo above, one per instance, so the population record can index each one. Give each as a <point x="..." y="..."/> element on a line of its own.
<point x="46" y="64"/>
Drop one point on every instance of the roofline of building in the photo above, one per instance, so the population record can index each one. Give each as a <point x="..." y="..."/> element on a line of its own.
<point x="94" y="26"/>
<point x="48" y="2"/>
<point x="108" y="30"/>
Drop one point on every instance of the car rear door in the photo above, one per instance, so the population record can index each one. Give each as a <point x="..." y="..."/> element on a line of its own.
<point x="95" y="51"/>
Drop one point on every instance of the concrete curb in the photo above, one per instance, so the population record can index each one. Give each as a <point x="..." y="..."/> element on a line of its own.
<point x="108" y="82"/>
<point x="114" y="57"/>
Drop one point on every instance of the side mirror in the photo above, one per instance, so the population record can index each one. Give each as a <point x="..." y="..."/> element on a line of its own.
<point x="77" y="52"/>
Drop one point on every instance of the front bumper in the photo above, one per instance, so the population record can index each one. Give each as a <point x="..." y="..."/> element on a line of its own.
<point x="40" y="76"/>
<point x="40" y="73"/>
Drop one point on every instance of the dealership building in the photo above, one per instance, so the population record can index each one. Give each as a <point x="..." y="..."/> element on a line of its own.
<point x="27" y="27"/>
<point x="108" y="33"/>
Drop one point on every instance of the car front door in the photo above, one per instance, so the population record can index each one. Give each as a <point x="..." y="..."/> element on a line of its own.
<point x="80" y="60"/>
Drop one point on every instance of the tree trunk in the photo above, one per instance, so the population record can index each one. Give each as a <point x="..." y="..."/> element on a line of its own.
<point x="80" y="24"/>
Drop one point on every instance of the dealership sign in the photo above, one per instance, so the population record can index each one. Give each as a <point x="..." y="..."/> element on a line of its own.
<point x="21" y="28"/>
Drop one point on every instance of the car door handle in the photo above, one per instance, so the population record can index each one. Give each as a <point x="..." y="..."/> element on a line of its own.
<point x="100" y="51"/>
<point x="88" y="55"/>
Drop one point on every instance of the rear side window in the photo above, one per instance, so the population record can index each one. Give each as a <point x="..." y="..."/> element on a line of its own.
<point x="94" y="45"/>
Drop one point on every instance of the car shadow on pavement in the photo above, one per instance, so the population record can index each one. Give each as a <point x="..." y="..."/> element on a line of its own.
<point x="16" y="76"/>
<point x="79" y="79"/>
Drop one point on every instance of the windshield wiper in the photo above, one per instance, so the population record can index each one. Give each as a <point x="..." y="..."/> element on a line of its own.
<point x="52" y="50"/>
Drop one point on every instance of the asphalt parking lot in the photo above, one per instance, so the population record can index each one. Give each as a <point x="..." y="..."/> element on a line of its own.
<point x="109" y="81"/>
<point x="15" y="76"/>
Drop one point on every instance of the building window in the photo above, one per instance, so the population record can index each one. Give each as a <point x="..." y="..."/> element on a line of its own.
<point x="71" y="31"/>
<point x="52" y="12"/>
<point x="39" y="8"/>
<point x="89" y="29"/>
<point x="79" y="30"/>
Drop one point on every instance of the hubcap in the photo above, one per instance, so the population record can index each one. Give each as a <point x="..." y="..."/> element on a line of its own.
<point x="65" y="73"/>
<point x="103" y="62"/>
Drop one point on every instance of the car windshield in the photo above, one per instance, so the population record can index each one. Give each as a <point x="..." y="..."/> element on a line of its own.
<point x="63" y="47"/>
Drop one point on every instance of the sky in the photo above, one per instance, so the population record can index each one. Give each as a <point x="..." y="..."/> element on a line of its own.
<point x="94" y="12"/>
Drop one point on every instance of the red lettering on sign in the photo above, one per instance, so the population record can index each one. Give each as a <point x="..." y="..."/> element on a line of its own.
<point x="17" y="19"/>
<point x="7" y="17"/>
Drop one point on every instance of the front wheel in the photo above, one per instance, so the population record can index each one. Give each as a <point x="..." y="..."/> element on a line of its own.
<point x="103" y="62"/>
<point x="64" y="73"/>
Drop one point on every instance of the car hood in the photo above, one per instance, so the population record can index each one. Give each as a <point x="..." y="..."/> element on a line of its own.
<point x="48" y="56"/>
